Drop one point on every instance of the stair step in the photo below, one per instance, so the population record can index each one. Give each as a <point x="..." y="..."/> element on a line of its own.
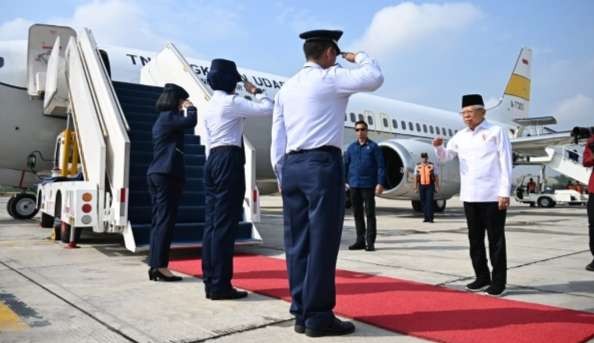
<point x="193" y="184"/>
<point x="141" y="169"/>
<point x="185" y="214"/>
<point x="145" y="157"/>
<point x="186" y="234"/>
<point x="142" y="198"/>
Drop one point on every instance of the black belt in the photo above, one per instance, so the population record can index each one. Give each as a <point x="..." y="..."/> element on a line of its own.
<point x="325" y="148"/>
<point x="225" y="148"/>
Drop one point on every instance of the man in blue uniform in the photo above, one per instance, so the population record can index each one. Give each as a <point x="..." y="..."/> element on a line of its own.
<point x="364" y="168"/>
<point x="222" y="124"/>
<point x="307" y="137"/>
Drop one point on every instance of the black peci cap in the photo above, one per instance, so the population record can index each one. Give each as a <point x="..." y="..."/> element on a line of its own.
<point x="472" y="99"/>
<point x="323" y="35"/>
<point x="424" y="155"/>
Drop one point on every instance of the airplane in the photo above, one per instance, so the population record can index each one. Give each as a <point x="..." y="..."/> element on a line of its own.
<point x="403" y="130"/>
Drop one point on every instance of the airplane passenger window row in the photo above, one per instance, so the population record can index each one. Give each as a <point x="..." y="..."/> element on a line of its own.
<point x="411" y="127"/>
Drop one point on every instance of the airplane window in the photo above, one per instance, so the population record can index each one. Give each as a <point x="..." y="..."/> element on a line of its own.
<point x="431" y="129"/>
<point x="353" y="119"/>
<point x="361" y="117"/>
<point x="410" y="126"/>
<point x="370" y="120"/>
<point x="418" y="127"/>
<point x="385" y="122"/>
<point x="1" y="62"/>
<point x="445" y="133"/>
<point x="394" y="123"/>
<point x="425" y="128"/>
<point x="437" y="130"/>
<point x="450" y="131"/>
<point x="403" y="126"/>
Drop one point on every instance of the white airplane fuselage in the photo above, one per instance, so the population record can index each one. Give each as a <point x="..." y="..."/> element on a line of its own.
<point x="25" y="129"/>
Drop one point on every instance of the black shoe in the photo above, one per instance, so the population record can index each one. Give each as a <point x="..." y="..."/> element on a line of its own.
<point x="357" y="246"/>
<point x="478" y="285"/>
<point x="430" y="220"/>
<point x="370" y="248"/>
<point x="590" y="267"/>
<point x="337" y="328"/>
<point x="299" y="326"/>
<point x="425" y="220"/>
<point x="156" y="275"/>
<point x="229" y="295"/>
<point x="496" y="291"/>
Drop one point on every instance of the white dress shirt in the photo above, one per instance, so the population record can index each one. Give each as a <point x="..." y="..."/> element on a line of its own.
<point x="222" y="120"/>
<point x="309" y="109"/>
<point x="485" y="162"/>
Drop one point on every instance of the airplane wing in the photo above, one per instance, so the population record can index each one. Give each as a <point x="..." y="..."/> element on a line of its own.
<point x="534" y="146"/>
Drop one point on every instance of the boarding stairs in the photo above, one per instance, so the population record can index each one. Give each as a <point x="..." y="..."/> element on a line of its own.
<point x="567" y="160"/>
<point x="113" y="123"/>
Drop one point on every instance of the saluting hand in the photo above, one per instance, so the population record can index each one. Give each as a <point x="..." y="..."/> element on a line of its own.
<point x="503" y="203"/>
<point x="437" y="141"/>
<point x="187" y="104"/>
<point x="250" y="87"/>
<point x="349" y="56"/>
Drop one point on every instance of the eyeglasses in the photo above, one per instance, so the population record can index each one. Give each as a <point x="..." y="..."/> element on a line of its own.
<point x="361" y="129"/>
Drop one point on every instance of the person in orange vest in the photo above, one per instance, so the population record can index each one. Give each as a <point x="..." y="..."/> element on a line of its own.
<point x="427" y="184"/>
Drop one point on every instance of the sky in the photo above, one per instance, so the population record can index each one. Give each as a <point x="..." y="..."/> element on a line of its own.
<point x="431" y="52"/>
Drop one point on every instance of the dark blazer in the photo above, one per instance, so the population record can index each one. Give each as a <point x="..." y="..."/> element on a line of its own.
<point x="364" y="165"/>
<point x="168" y="143"/>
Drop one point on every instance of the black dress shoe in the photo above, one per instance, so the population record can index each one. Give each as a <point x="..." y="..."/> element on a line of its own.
<point x="478" y="285"/>
<point x="229" y="295"/>
<point x="590" y="267"/>
<point x="337" y="328"/>
<point x="299" y="325"/>
<point x="357" y="246"/>
<point x="370" y="248"/>
<point x="156" y="275"/>
<point x="496" y="291"/>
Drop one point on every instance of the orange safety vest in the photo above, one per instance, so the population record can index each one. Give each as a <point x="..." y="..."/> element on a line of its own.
<point x="425" y="174"/>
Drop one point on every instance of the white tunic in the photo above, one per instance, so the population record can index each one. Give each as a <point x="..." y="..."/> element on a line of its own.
<point x="309" y="109"/>
<point x="222" y="120"/>
<point x="485" y="162"/>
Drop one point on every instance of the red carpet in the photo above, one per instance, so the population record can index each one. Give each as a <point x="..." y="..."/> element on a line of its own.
<point x="416" y="309"/>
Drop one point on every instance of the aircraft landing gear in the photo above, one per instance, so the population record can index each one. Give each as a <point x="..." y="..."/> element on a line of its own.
<point x="22" y="206"/>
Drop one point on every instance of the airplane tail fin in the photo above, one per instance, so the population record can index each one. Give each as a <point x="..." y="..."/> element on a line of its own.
<point x="515" y="102"/>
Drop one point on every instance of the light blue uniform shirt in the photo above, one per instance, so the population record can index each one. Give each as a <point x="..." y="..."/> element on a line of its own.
<point x="309" y="109"/>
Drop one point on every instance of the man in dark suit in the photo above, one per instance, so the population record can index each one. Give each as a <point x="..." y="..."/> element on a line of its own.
<point x="364" y="168"/>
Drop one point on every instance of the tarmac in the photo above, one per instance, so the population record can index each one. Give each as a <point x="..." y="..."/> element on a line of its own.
<point x="101" y="292"/>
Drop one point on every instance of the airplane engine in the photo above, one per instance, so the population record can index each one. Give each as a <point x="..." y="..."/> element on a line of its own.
<point x="401" y="157"/>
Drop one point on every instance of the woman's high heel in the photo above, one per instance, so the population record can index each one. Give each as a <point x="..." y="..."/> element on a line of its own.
<point x="156" y="275"/>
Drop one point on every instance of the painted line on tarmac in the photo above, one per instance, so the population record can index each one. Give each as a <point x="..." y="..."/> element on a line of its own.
<point x="10" y="321"/>
<point x="71" y="304"/>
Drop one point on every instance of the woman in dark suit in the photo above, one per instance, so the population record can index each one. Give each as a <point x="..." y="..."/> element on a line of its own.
<point x="166" y="174"/>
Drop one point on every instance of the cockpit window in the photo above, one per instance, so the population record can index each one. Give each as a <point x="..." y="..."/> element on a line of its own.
<point x="1" y="61"/>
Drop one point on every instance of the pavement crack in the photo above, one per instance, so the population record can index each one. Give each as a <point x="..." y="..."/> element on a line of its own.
<point x="241" y="330"/>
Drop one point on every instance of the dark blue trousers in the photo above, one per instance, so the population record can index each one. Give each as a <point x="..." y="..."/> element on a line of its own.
<point x="426" y="193"/>
<point x="166" y="192"/>
<point x="313" y="202"/>
<point x="225" y="190"/>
